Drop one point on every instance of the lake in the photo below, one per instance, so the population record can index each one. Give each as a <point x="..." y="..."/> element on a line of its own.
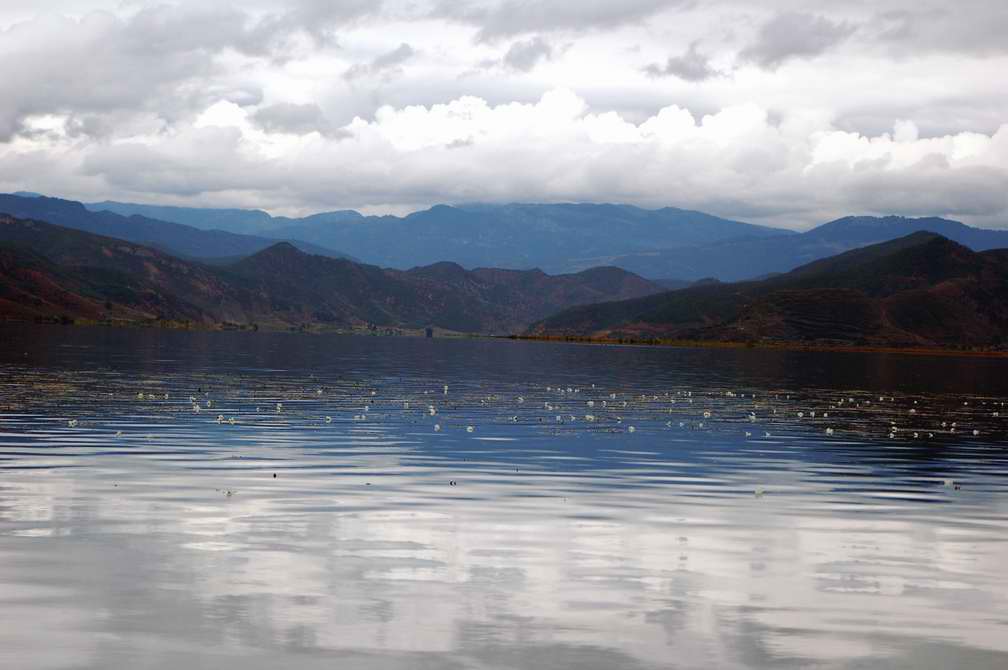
<point x="256" y="500"/>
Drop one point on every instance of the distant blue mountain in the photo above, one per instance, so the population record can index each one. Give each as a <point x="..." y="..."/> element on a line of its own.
<point x="865" y="230"/>
<point x="674" y="245"/>
<point x="555" y="238"/>
<point x="243" y="221"/>
<point x="175" y="238"/>
<point x="735" y="260"/>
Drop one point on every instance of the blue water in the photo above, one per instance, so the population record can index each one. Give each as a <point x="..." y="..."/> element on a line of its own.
<point x="665" y="528"/>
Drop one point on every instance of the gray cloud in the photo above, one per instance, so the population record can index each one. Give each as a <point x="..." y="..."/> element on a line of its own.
<point x="400" y="54"/>
<point x="243" y="96"/>
<point x="526" y="54"/>
<point x="286" y="117"/>
<point x="690" y="66"/>
<point x="382" y="64"/>
<point x="930" y="187"/>
<point x="794" y="35"/>
<point x="128" y="63"/>
<point x="967" y="26"/>
<point x="77" y="92"/>
<point x="506" y="18"/>
<point x="317" y="18"/>
<point x="160" y="60"/>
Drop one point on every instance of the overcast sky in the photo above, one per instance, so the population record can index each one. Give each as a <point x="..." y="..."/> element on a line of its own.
<point x="786" y="112"/>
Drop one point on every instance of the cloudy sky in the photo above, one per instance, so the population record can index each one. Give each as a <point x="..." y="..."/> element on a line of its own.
<point x="786" y="112"/>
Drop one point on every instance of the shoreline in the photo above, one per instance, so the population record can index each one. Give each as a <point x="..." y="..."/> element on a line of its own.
<point x="777" y="346"/>
<point x="232" y="327"/>
<point x="387" y="331"/>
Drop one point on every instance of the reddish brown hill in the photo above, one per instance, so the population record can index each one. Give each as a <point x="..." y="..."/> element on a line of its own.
<point x="920" y="290"/>
<point x="50" y="271"/>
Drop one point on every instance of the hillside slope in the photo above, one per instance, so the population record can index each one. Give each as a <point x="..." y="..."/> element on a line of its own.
<point x="922" y="289"/>
<point x="175" y="238"/>
<point x="51" y="272"/>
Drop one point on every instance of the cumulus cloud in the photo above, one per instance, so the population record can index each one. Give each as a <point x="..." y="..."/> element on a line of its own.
<point x="689" y="66"/>
<point x="794" y="35"/>
<point x="737" y="162"/>
<point x="382" y="64"/>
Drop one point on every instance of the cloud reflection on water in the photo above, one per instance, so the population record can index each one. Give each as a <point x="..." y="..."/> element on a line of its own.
<point x="582" y="549"/>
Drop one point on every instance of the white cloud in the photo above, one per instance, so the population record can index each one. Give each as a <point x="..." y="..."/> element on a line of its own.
<point x="901" y="149"/>
<point x="736" y="161"/>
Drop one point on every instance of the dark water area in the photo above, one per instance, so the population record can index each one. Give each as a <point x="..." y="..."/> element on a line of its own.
<point x="154" y="351"/>
<point x="255" y="500"/>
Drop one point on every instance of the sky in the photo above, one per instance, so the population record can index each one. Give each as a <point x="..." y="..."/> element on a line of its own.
<point x="782" y="112"/>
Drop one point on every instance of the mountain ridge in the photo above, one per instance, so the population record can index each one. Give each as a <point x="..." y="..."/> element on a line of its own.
<point x="738" y="260"/>
<point x="178" y="239"/>
<point x="918" y="290"/>
<point x="678" y="246"/>
<point x="99" y="277"/>
<point x="559" y="238"/>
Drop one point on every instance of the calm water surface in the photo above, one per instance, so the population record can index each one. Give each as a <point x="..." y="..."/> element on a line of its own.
<point x="562" y="507"/>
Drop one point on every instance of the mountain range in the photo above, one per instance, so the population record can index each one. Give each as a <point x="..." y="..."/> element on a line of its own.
<point x="49" y="271"/>
<point x="670" y="245"/>
<point x="667" y="244"/>
<point x="919" y="290"/>
<point x="174" y="238"/>
<point x="741" y="259"/>
<point x="856" y="280"/>
<point x="556" y="238"/>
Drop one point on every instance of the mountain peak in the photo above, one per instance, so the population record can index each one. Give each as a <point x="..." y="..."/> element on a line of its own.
<point x="279" y="250"/>
<point x="444" y="268"/>
<point x="279" y="258"/>
<point x="888" y="223"/>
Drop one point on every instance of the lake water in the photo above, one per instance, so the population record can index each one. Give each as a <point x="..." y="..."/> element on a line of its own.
<point x="565" y="506"/>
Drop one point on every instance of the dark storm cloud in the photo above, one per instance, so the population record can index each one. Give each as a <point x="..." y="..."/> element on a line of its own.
<point x="526" y="54"/>
<point x="690" y="66"/>
<point x="794" y="35"/>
